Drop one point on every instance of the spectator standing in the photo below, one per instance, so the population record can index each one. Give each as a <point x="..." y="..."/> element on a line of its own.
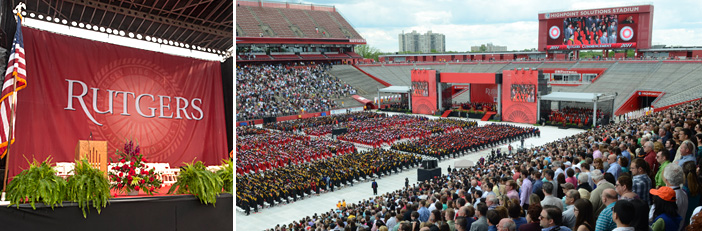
<point x="673" y="176"/>
<point x="480" y="224"/>
<point x="686" y="153"/>
<point x="423" y="211"/>
<point x="569" y="213"/>
<point x="662" y="159"/>
<point x="596" y="195"/>
<point x="604" y="220"/>
<point x="549" y="199"/>
<point x="374" y="185"/>
<point x="692" y="188"/>
<point x="533" y="221"/>
<point x="584" y="186"/>
<point x="614" y="168"/>
<point x="551" y="219"/>
<point x="623" y="188"/>
<point x="525" y="190"/>
<point x="506" y="224"/>
<point x="623" y="216"/>
<point x="665" y="210"/>
<point x="641" y="183"/>
<point x="583" y="211"/>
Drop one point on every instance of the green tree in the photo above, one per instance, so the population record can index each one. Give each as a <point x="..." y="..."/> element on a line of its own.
<point x="367" y="52"/>
<point x="483" y="48"/>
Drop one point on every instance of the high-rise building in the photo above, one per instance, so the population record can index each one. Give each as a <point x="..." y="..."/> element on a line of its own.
<point x="488" y="48"/>
<point x="425" y="43"/>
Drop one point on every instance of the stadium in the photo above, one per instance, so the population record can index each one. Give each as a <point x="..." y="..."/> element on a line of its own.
<point x="329" y="140"/>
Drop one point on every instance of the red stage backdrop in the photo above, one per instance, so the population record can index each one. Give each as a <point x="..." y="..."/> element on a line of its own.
<point x="519" y="89"/>
<point x="424" y="95"/>
<point x="173" y="106"/>
<point x="483" y="93"/>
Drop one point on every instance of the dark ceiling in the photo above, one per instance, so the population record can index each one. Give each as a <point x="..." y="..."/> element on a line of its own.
<point x="204" y="23"/>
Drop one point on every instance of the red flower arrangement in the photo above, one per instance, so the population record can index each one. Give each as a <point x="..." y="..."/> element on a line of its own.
<point x="131" y="173"/>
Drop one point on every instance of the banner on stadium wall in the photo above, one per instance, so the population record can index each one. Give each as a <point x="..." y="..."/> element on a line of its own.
<point x="424" y="92"/>
<point x="77" y="89"/>
<point x="593" y="46"/>
<point x="519" y="95"/>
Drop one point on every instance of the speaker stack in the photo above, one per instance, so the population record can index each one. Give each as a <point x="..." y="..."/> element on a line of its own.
<point x="429" y="170"/>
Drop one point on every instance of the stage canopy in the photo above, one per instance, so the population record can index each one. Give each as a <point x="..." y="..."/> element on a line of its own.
<point x="577" y="97"/>
<point x="581" y="97"/>
<point x="395" y="89"/>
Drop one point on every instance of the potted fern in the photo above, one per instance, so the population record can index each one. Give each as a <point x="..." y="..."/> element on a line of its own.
<point x="227" y="175"/>
<point x="87" y="186"/>
<point x="195" y="179"/>
<point x="38" y="183"/>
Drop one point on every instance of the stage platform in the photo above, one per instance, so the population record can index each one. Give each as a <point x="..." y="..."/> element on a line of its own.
<point x="171" y="212"/>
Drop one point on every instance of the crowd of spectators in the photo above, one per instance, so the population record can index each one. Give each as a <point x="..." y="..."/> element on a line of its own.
<point x="465" y="139"/>
<point x="287" y="184"/>
<point x="275" y="90"/>
<point x="263" y="150"/>
<point x="572" y="115"/>
<point x="615" y="168"/>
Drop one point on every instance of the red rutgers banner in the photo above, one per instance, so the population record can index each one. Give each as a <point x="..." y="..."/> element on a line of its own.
<point x="172" y="106"/>
<point x="483" y="93"/>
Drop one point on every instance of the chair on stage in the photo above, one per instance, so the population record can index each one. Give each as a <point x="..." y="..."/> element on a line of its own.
<point x="168" y="175"/>
<point x="63" y="169"/>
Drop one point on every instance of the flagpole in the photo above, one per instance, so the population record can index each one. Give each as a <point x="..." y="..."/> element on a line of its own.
<point x="12" y="114"/>
<point x="12" y="124"/>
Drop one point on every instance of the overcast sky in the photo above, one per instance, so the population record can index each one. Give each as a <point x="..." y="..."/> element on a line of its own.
<point x="511" y="23"/>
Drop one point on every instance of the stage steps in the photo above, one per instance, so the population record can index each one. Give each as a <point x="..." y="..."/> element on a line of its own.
<point x="446" y="113"/>
<point x="487" y="115"/>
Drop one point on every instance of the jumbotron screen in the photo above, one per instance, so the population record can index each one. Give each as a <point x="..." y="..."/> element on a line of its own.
<point x="607" y="28"/>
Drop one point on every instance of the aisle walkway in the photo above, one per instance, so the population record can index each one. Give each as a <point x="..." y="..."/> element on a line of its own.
<point x="285" y="214"/>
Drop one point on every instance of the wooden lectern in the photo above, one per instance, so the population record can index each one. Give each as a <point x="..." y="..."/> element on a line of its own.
<point x="95" y="151"/>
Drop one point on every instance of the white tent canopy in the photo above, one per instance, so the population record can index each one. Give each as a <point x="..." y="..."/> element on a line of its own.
<point x="463" y="164"/>
<point x="593" y="98"/>
<point x="577" y="97"/>
<point x="395" y="89"/>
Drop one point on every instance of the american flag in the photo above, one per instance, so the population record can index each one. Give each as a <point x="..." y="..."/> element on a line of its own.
<point x="16" y="71"/>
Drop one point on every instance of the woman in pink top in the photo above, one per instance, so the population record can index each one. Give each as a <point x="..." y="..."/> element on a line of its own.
<point x="571" y="176"/>
<point x="511" y="188"/>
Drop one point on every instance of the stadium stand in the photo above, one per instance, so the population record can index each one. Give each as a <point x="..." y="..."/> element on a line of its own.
<point x="276" y="90"/>
<point x="274" y="19"/>
<point x="364" y="86"/>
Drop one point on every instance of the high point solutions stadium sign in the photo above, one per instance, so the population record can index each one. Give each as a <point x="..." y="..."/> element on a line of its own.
<point x="570" y="14"/>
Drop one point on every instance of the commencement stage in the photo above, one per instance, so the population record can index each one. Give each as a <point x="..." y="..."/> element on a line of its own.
<point x="180" y="212"/>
